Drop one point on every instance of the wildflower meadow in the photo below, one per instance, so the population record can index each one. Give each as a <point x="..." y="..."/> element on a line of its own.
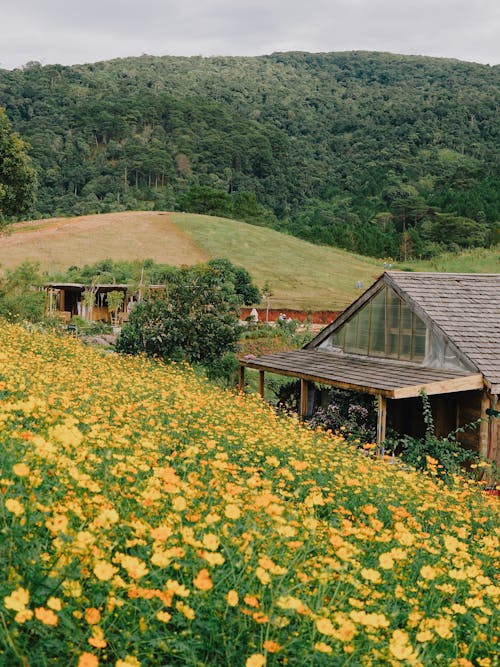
<point x="151" y="519"/>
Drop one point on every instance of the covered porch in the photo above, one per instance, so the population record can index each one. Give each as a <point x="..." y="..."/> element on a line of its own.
<point x="457" y="395"/>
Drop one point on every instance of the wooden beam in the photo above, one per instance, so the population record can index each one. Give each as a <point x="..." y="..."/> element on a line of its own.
<point x="241" y="378"/>
<point x="381" y="418"/>
<point x="322" y="380"/>
<point x="466" y="383"/>
<point x="304" y="395"/>
<point x="261" y="384"/>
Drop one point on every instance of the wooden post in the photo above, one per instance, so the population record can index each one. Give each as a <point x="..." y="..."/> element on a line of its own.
<point x="381" y="419"/>
<point x="261" y="384"/>
<point x="484" y="430"/>
<point x="241" y="381"/>
<point x="304" y="395"/>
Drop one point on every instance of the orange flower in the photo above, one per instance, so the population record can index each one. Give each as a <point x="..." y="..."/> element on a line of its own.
<point x="256" y="660"/>
<point x="271" y="646"/>
<point x="46" y="616"/>
<point x="203" y="581"/>
<point x="87" y="660"/>
<point x="92" y="616"/>
<point x="251" y="600"/>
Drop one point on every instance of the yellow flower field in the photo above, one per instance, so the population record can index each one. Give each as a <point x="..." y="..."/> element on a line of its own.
<point x="149" y="519"/>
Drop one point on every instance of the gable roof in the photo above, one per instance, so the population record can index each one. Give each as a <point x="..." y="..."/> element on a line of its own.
<point x="464" y="306"/>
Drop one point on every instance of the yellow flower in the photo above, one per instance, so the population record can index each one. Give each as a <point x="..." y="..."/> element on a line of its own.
<point x="135" y="567"/>
<point x="72" y="588"/>
<point x="54" y="603"/>
<point x="428" y="572"/>
<point x="262" y="576"/>
<point x="97" y="640"/>
<point x="129" y="661"/>
<point x="211" y="541"/>
<point x="177" y="588"/>
<point x="14" y="506"/>
<point x="57" y="524"/>
<point x="46" y="616"/>
<point x="325" y="627"/>
<point x="18" y="600"/>
<point x="232" y="511"/>
<point x="443" y="627"/>
<point x="161" y="557"/>
<point x="163" y="616"/>
<point x="322" y="647"/>
<point x="372" y="575"/>
<point x="371" y="620"/>
<point x="424" y="636"/>
<point x="20" y="469"/>
<point x="104" y="570"/>
<point x="232" y="598"/>
<point x="386" y="561"/>
<point x="256" y="660"/>
<point x="23" y="616"/>
<point x="400" y="646"/>
<point x="186" y="610"/>
<point x="213" y="558"/>
<point x="179" y="504"/>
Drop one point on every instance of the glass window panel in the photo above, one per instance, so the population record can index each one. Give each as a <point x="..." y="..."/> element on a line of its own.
<point x="350" y="335"/>
<point x="406" y="318"/>
<point x="377" y="326"/>
<point x="418" y="347"/>
<point x="393" y="345"/>
<point x="419" y="327"/>
<point x="338" y="337"/>
<point x="392" y="310"/>
<point x="363" y="329"/>
<point x="405" y="346"/>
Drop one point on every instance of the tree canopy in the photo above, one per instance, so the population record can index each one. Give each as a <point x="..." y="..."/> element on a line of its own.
<point x="360" y="150"/>
<point x="17" y="177"/>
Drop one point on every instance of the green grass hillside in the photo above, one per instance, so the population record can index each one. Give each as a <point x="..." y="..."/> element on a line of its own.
<point x="474" y="260"/>
<point x="302" y="275"/>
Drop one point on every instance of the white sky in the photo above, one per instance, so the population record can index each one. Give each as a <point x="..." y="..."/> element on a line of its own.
<point x="78" y="31"/>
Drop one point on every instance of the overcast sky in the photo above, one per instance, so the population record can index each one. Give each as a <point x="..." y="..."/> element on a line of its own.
<point x="71" y="31"/>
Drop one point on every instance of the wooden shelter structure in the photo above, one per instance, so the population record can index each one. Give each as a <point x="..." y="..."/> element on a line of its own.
<point x="407" y="333"/>
<point x="67" y="299"/>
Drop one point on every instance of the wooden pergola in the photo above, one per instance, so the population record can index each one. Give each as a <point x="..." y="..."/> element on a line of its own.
<point x="386" y="379"/>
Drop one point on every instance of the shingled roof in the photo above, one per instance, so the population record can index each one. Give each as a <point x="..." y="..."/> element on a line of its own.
<point x="465" y="306"/>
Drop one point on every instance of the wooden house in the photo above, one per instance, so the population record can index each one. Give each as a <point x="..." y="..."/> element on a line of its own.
<point x="67" y="299"/>
<point x="436" y="332"/>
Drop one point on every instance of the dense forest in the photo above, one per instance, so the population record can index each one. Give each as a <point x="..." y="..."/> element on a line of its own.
<point x="387" y="155"/>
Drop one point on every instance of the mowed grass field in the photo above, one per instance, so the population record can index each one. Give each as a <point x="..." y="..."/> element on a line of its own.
<point x="302" y="275"/>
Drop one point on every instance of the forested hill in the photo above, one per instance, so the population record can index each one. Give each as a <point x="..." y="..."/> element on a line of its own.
<point x="382" y="154"/>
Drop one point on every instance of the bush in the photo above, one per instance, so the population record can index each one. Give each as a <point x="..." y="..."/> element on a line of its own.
<point x="195" y="319"/>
